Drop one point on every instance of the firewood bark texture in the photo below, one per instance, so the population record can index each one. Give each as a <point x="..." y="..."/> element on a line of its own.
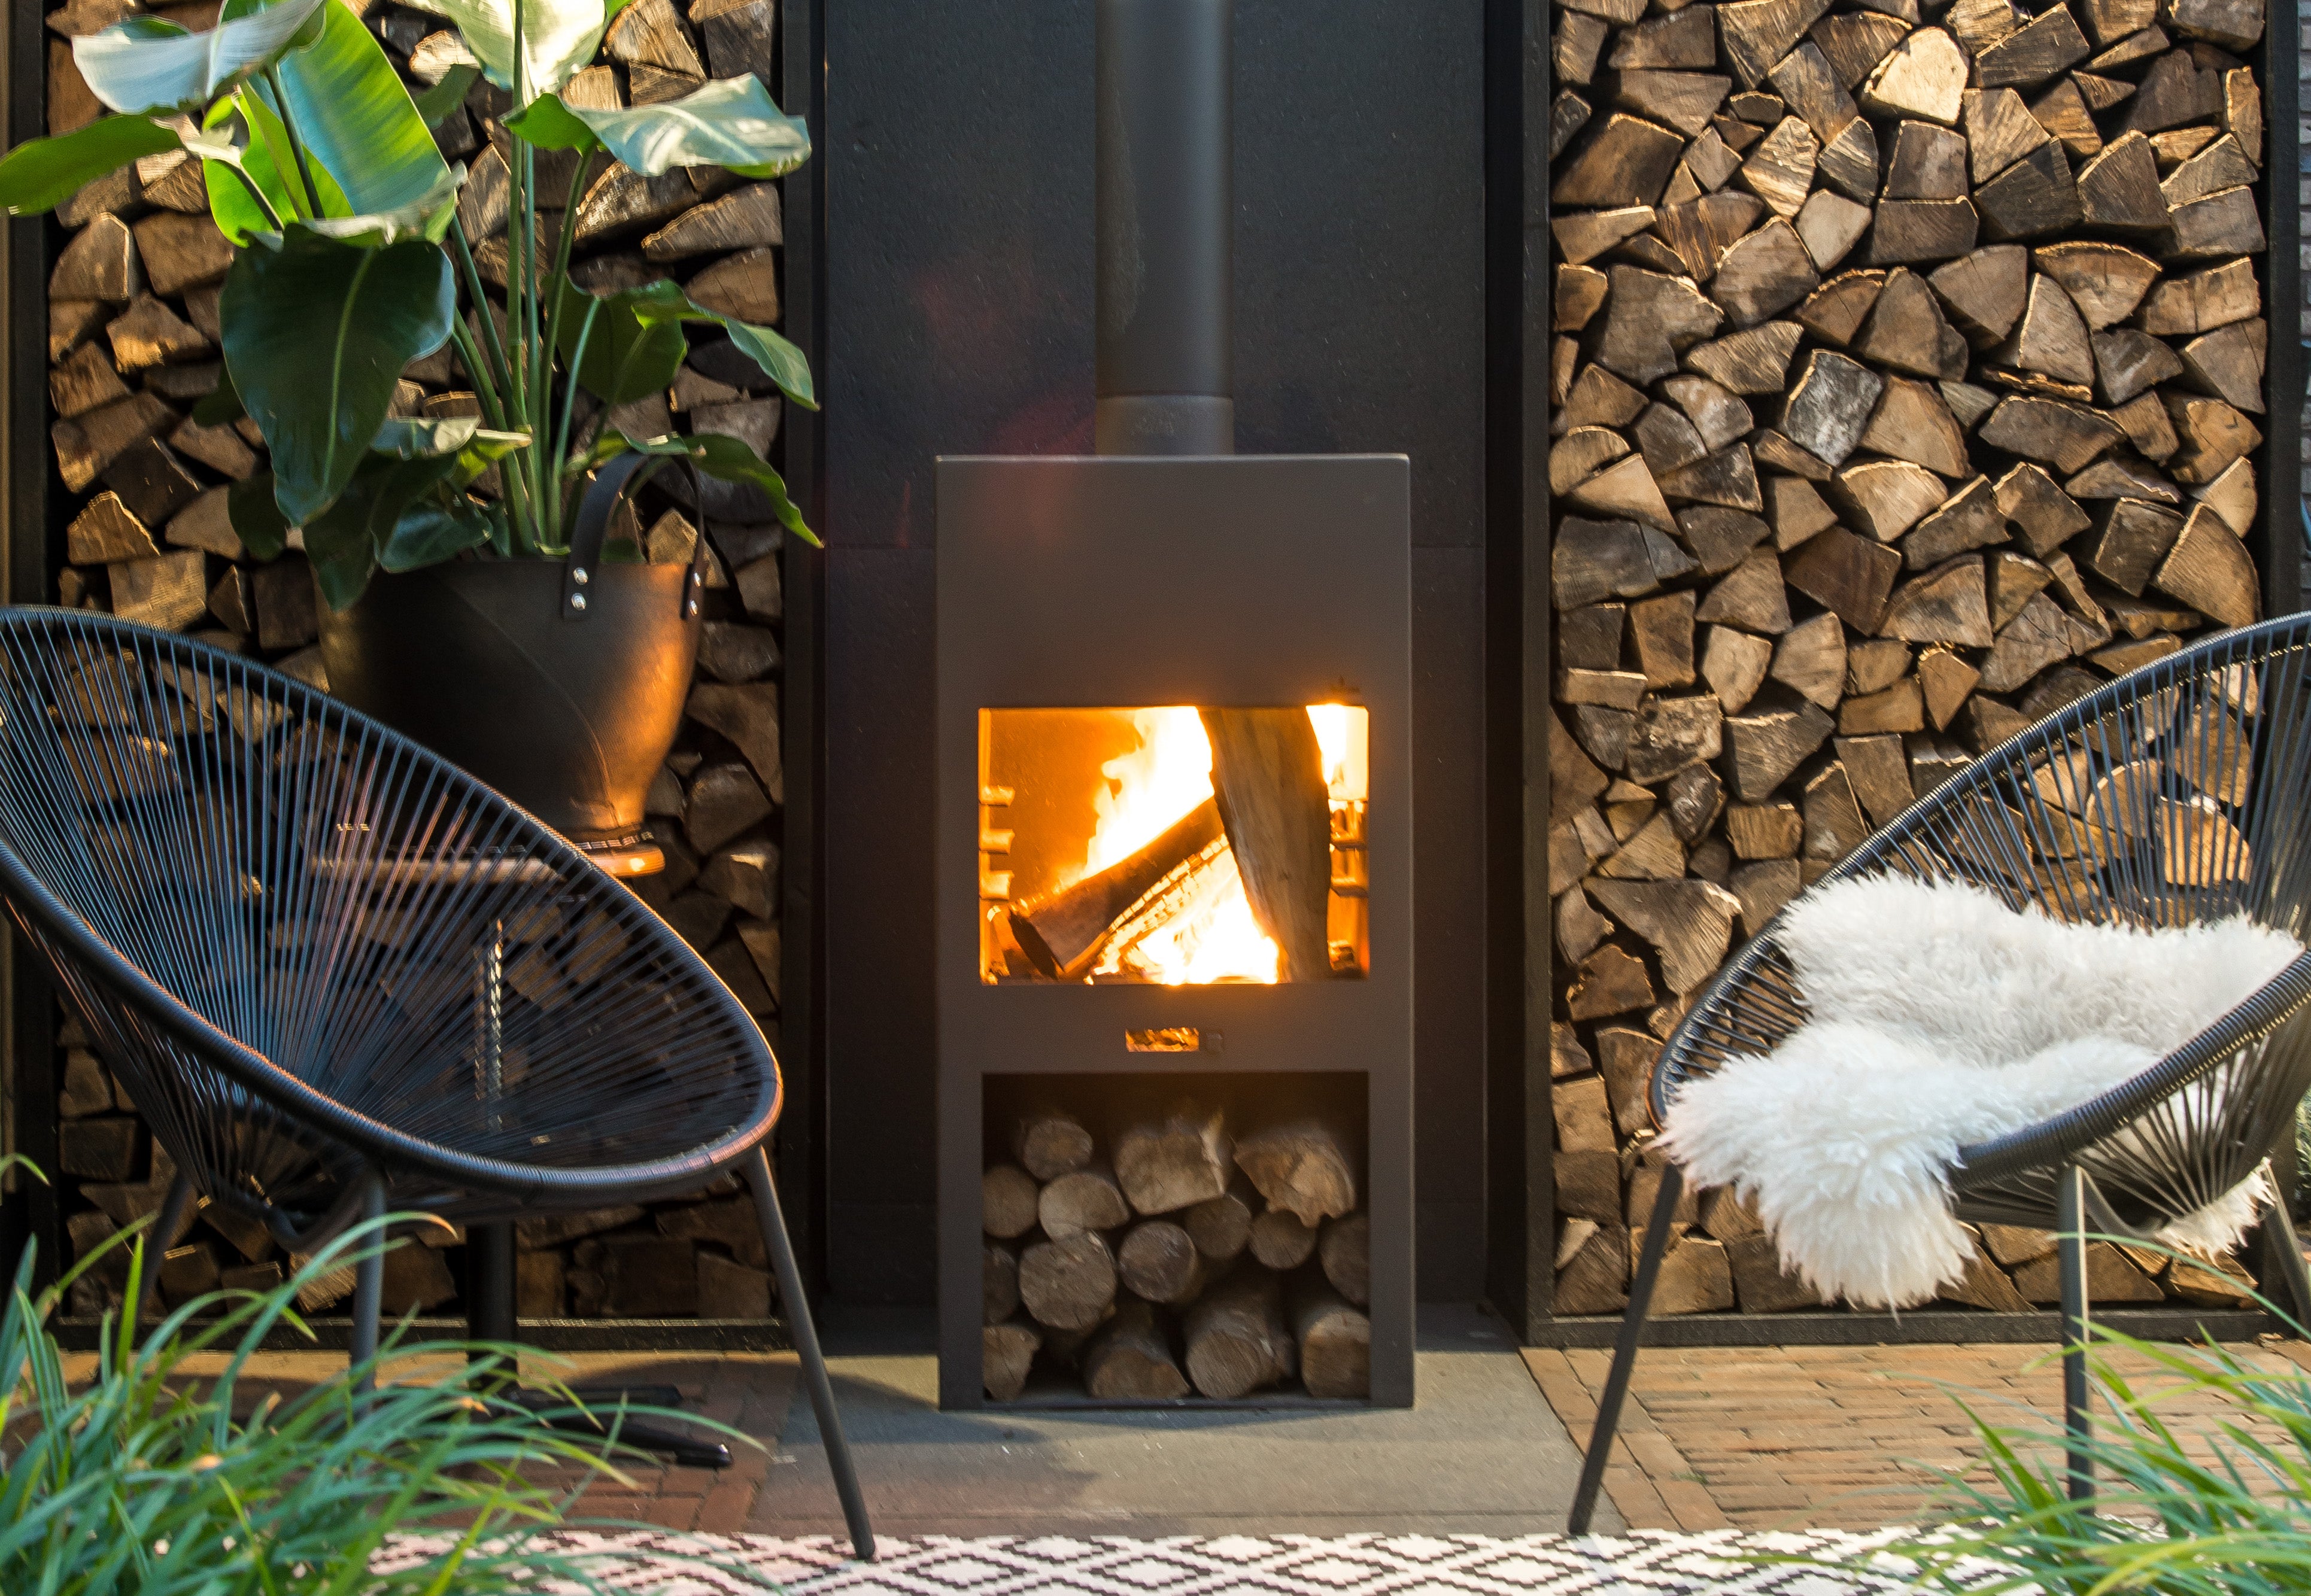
<point x="1924" y="391"/>
<point x="1174" y="1163"/>
<point x="1236" y="1337"/>
<point x="1130" y="1358"/>
<point x="1302" y="1168"/>
<point x="133" y="345"/>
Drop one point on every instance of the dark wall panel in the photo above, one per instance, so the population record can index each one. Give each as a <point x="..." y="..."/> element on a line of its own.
<point x="958" y="262"/>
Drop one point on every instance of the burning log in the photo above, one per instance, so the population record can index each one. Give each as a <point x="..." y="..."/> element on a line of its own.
<point x="1061" y="931"/>
<point x="1130" y="1358"/>
<point x="1267" y="771"/>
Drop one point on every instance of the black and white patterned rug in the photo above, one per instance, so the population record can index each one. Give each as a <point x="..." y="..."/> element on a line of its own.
<point x="1645" y="1563"/>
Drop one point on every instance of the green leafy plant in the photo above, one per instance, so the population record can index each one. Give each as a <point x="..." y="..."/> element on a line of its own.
<point x="159" y="1472"/>
<point x="2215" y="1506"/>
<point x="351" y="262"/>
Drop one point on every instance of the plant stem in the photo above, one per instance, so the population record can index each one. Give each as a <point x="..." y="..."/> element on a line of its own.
<point x="296" y="145"/>
<point x="559" y="282"/>
<point x="569" y="395"/>
<point x="540" y="389"/>
<point x="493" y="411"/>
<point x="473" y="276"/>
<point x="257" y="193"/>
<point x="508" y="412"/>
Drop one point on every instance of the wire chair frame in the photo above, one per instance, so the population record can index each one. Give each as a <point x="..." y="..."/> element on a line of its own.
<point x="295" y="904"/>
<point x="337" y="974"/>
<point x="2175" y="795"/>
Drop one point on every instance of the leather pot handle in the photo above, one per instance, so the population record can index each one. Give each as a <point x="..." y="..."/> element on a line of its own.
<point x="593" y="530"/>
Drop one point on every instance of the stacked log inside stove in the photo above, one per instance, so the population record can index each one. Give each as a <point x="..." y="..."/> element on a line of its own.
<point x="1175" y="1260"/>
<point x="1905" y="367"/>
<point x="134" y="347"/>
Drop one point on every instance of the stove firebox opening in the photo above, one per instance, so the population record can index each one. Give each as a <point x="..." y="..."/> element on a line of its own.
<point x="1173" y="846"/>
<point x="1192" y="1237"/>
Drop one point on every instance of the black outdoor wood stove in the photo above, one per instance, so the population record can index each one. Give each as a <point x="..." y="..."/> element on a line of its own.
<point x="1174" y="851"/>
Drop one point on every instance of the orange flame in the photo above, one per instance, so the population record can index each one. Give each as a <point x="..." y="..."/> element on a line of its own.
<point x="1213" y="936"/>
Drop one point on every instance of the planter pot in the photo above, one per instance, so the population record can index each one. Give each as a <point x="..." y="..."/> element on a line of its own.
<point x="478" y="660"/>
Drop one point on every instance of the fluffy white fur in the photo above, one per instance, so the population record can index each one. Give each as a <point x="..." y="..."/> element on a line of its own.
<point x="1938" y="1018"/>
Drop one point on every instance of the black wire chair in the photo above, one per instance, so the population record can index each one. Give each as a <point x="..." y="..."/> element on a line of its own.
<point x="339" y="975"/>
<point x="2177" y="794"/>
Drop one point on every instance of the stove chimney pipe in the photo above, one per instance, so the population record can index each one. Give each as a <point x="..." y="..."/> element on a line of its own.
<point x="1164" y="202"/>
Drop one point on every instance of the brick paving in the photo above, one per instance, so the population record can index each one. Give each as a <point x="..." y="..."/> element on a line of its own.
<point x="1826" y="1437"/>
<point x="1713" y="1438"/>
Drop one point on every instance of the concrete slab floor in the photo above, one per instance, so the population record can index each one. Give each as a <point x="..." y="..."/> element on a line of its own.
<point x="1481" y="1452"/>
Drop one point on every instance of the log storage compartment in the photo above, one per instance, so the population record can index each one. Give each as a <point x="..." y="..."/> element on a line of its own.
<point x="1913" y="373"/>
<point x="1163" y="1238"/>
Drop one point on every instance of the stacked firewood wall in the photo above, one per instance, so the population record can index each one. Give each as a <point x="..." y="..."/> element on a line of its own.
<point x="132" y="347"/>
<point x="1905" y="381"/>
<point x="1175" y="1262"/>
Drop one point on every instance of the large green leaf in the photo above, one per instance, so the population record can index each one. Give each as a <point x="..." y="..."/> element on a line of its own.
<point x="780" y="361"/>
<point x="626" y="357"/>
<point x="559" y="36"/>
<point x="257" y="518"/>
<point x="550" y="125"/>
<point x="731" y="122"/>
<point x="357" y="120"/>
<point x="340" y="547"/>
<point x="247" y="123"/>
<point x="42" y="173"/>
<point x="445" y="96"/>
<point x="221" y="407"/>
<point x="433" y="530"/>
<point x="146" y="64"/>
<point x="427" y="216"/>
<point x="473" y="447"/>
<point x="316" y="335"/>
<point x="733" y="460"/>
<point x="352" y="537"/>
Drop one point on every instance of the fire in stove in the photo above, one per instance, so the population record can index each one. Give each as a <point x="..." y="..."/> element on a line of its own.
<point x="1175" y="846"/>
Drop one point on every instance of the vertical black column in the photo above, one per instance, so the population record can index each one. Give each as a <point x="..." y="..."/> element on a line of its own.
<point x="28" y="1078"/>
<point x="1165" y="171"/>
<point x="2280" y="550"/>
<point x="491" y="1262"/>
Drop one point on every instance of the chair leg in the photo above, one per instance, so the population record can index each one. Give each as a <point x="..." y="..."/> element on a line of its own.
<point x="369" y="1277"/>
<point x="164" y="1230"/>
<point x="2071" y="1205"/>
<point x="1624" y="1351"/>
<point x="2283" y="1248"/>
<point x="814" y="1362"/>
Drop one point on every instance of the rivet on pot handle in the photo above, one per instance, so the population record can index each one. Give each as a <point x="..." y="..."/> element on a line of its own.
<point x="593" y="530"/>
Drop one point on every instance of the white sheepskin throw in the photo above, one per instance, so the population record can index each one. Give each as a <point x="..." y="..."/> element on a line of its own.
<point x="1940" y="1017"/>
